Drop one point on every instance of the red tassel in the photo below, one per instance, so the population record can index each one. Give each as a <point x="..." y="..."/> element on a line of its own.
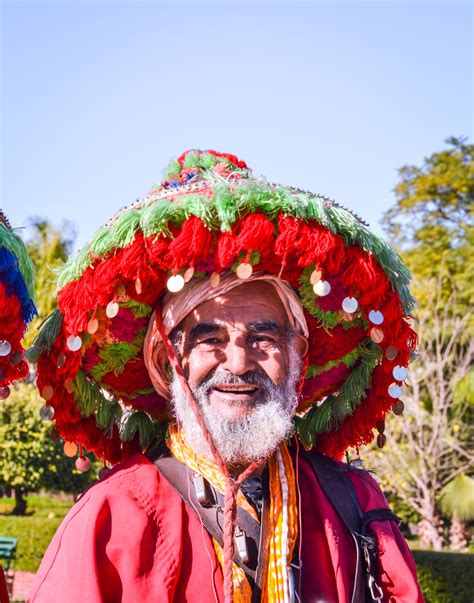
<point x="192" y="244"/>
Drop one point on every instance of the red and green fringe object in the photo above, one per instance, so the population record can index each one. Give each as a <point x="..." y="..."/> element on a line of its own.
<point x="223" y="219"/>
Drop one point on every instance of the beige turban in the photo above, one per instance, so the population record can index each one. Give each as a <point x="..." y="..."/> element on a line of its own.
<point x="176" y="306"/>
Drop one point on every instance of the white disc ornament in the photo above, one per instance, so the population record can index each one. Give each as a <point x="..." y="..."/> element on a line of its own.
<point x="395" y="391"/>
<point x="112" y="309"/>
<point x="322" y="288"/>
<point x="46" y="412"/>
<point x="376" y="317"/>
<point x="74" y="343"/>
<point x="5" y="347"/>
<point x="175" y="283"/>
<point x="92" y="326"/>
<point x="400" y="373"/>
<point x="350" y="304"/>
<point x="138" y="285"/>
<point x="244" y="271"/>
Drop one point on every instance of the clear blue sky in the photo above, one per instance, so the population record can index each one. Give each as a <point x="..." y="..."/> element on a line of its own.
<point x="332" y="97"/>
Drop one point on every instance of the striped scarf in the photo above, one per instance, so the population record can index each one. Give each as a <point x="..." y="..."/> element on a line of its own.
<point x="283" y="518"/>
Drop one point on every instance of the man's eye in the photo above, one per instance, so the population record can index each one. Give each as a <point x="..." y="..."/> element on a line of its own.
<point x="263" y="339"/>
<point x="209" y="341"/>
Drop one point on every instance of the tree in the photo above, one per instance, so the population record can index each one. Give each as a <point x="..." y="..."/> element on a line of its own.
<point x="49" y="247"/>
<point x="31" y="460"/>
<point x="431" y="444"/>
<point x="457" y="501"/>
<point x="432" y="225"/>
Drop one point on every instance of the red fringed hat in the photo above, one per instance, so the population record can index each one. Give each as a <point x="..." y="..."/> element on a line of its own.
<point x="209" y="215"/>
<point x="16" y="305"/>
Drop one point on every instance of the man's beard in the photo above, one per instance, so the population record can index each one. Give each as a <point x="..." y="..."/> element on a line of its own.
<point x="244" y="439"/>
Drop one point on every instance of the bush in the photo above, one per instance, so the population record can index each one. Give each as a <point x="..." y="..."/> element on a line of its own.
<point x="35" y="530"/>
<point x="445" y="577"/>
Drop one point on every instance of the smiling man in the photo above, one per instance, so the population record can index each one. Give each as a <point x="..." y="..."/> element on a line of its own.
<point x="222" y="343"/>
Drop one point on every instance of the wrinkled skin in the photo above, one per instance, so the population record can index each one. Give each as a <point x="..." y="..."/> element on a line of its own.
<point x="240" y="332"/>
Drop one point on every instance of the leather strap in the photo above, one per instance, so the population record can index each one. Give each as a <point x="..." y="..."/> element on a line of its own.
<point x="180" y="477"/>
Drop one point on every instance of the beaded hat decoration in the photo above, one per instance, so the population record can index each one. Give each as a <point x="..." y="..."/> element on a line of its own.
<point x="16" y="305"/>
<point x="208" y="216"/>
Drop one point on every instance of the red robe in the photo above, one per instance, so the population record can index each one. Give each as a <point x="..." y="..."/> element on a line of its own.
<point x="131" y="538"/>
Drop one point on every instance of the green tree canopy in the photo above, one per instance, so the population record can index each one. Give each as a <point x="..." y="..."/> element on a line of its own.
<point x="432" y="222"/>
<point x="31" y="460"/>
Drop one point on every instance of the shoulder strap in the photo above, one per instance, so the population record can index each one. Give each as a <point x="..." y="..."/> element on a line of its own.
<point x="180" y="477"/>
<point x="340" y="491"/>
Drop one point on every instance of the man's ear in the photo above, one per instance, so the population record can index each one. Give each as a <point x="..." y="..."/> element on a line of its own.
<point x="163" y="367"/>
<point x="301" y="344"/>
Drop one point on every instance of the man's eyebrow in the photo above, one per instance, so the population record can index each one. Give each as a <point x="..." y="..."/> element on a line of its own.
<point x="265" y="326"/>
<point x="203" y="328"/>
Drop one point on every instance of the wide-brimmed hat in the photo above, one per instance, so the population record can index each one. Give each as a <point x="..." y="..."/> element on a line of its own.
<point x="209" y="215"/>
<point x="16" y="305"/>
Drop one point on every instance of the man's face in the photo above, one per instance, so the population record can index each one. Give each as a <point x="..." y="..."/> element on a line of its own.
<point x="241" y="334"/>
<point x="242" y="364"/>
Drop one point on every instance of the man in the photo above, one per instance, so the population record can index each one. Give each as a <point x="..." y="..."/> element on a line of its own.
<point x="229" y="308"/>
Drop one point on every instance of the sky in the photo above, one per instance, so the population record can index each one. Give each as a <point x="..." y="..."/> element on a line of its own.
<point x="333" y="97"/>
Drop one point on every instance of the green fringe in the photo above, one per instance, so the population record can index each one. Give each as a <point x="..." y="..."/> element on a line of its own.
<point x="48" y="331"/>
<point x="116" y="355"/>
<point x="349" y="360"/>
<point x="328" y="415"/>
<point x="151" y="433"/>
<point x="229" y="203"/>
<point x="90" y="400"/>
<point x="15" y="245"/>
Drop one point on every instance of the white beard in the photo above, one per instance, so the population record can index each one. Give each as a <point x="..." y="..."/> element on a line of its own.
<point x="243" y="440"/>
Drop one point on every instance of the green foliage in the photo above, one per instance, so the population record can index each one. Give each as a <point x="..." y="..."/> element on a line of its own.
<point x="30" y="459"/>
<point x="48" y="247"/>
<point x="35" y="530"/>
<point x="457" y="498"/>
<point x="433" y="223"/>
<point x="445" y="577"/>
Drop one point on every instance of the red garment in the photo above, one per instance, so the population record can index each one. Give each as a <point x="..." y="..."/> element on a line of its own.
<point x="131" y="538"/>
<point x="4" y="598"/>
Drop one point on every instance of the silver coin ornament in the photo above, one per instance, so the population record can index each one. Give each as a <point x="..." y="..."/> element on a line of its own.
<point x="5" y="347"/>
<point x="376" y="317"/>
<point x="4" y="392"/>
<point x="175" y="283"/>
<point x="400" y="373"/>
<point x="395" y="391"/>
<point x="350" y="304"/>
<point x="74" y="343"/>
<point x="244" y="271"/>
<point x="322" y="288"/>
<point x="46" y="412"/>
<point x="112" y="309"/>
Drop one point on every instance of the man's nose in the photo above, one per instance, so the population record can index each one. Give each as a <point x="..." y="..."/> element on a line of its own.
<point x="238" y="358"/>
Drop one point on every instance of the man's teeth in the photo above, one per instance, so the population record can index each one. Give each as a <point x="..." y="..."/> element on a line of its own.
<point x="237" y="388"/>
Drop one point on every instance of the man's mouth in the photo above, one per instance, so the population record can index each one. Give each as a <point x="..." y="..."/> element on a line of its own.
<point x="237" y="389"/>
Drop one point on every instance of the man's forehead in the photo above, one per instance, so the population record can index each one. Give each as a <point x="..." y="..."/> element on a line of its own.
<point x="247" y="305"/>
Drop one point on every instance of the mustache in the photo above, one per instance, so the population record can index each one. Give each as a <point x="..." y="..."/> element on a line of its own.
<point x="215" y="377"/>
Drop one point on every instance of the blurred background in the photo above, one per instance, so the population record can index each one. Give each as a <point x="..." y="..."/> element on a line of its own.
<point x="369" y="103"/>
